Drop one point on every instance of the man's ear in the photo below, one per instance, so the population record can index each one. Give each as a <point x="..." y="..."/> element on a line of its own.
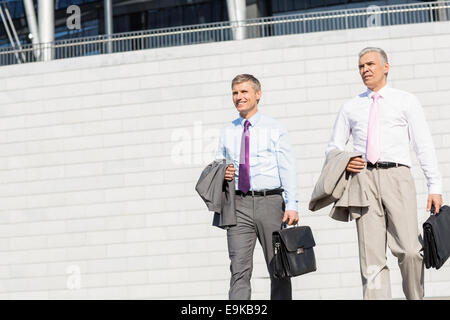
<point x="386" y="68"/>
<point x="258" y="95"/>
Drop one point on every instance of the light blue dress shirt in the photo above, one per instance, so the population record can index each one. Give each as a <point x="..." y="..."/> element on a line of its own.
<point x="272" y="162"/>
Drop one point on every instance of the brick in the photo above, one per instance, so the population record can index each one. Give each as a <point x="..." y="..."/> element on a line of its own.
<point x="170" y="276"/>
<point x="127" y="278"/>
<point x="93" y="280"/>
<point x="258" y="57"/>
<point x="412" y="57"/>
<point x="324" y="65"/>
<point x="351" y="279"/>
<point x="349" y="293"/>
<point x="183" y="289"/>
<point x="116" y="293"/>
<point x="293" y="53"/>
<point x="429" y="69"/>
<point x="23" y="243"/>
<point x="415" y="86"/>
<point x="149" y="291"/>
<point x="338" y="265"/>
<point x="124" y="250"/>
<point x="442" y="55"/>
<point x="102" y="266"/>
<point x="31" y="295"/>
<point x="317" y="280"/>
<point x="146" y="234"/>
<point x="86" y="252"/>
<point x="286" y="68"/>
<point x="437" y="289"/>
<point x="27" y="81"/>
<point x="105" y="237"/>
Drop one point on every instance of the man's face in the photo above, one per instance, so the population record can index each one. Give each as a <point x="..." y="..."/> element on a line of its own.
<point x="372" y="70"/>
<point x="245" y="97"/>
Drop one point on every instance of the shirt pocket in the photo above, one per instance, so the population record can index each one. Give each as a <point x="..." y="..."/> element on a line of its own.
<point x="263" y="148"/>
<point x="265" y="158"/>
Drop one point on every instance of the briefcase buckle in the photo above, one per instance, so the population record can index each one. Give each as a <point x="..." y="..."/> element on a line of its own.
<point x="299" y="250"/>
<point x="277" y="247"/>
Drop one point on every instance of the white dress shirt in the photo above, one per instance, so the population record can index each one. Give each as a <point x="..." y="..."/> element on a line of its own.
<point x="402" y="121"/>
<point x="272" y="162"/>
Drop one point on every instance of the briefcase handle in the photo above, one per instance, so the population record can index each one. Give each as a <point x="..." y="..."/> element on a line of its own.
<point x="284" y="225"/>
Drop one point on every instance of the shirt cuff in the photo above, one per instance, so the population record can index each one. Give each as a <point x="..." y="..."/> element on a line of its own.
<point x="291" y="205"/>
<point x="435" y="189"/>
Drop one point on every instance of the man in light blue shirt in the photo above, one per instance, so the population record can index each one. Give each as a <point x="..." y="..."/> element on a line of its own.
<point x="263" y="166"/>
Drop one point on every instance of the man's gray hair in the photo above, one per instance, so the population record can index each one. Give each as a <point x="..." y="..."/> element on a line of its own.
<point x="246" y="77"/>
<point x="380" y="51"/>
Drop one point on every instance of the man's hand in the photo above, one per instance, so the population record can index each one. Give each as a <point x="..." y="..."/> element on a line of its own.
<point x="436" y="200"/>
<point x="229" y="173"/>
<point x="355" y="165"/>
<point x="291" y="216"/>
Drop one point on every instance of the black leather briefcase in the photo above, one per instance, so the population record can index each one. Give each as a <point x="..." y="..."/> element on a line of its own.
<point x="293" y="250"/>
<point x="436" y="238"/>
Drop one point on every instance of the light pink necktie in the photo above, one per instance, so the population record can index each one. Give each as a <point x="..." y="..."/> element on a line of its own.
<point x="373" y="147"/>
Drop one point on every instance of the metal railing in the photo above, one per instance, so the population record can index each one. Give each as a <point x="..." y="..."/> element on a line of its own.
<point x="224" y="31"/>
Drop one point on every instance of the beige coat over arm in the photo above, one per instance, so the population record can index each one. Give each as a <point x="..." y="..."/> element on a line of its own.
<point x="346" y="190"/>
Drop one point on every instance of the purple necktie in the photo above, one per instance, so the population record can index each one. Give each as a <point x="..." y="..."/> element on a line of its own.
<point x="244" y="162"/>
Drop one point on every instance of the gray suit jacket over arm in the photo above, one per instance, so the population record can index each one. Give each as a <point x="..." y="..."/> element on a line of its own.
<point x="218" y="193"/>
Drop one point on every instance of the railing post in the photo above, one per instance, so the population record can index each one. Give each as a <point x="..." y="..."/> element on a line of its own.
<point x="431" y="12"/>
<point x="182" y="36"/>
<point x="346" y="19"/>
<point x="304" y="24"/>
<point x="388" y="16"/>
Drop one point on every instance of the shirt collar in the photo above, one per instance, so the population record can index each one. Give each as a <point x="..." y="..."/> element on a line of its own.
<point x="253" y="120"/>
<point x="382" y="92"/>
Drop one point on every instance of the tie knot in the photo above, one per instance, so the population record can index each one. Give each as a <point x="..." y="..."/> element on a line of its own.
<point x="376" y="96"/>
<point x="246" y="124"/>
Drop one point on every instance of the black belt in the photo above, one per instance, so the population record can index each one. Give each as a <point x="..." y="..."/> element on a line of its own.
<point x="385" y="165"/>
<point x="260" y="193"/>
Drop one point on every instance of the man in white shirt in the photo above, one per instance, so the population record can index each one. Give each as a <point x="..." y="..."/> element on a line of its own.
<point x="382" y="122"/>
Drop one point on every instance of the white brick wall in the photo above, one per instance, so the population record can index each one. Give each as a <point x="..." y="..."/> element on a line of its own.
<point x="99" y="157"/>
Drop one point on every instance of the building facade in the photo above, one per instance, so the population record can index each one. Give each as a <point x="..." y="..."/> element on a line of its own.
<point x="99" y="157"/>
<point x="137" y="15"/>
